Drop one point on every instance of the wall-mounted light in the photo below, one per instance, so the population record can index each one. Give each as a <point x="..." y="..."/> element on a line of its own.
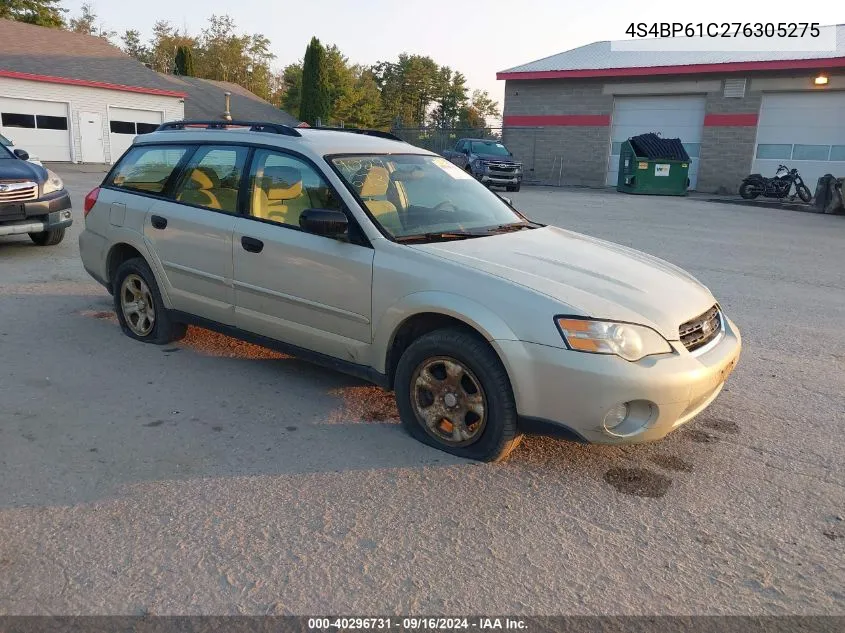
<point x="821" y="80"/>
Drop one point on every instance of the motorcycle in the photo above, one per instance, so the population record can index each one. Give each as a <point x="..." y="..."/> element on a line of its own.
<point x="777" y="187"/>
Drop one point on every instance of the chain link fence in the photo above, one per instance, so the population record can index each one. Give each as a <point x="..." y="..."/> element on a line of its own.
<point x="543" y="157"/>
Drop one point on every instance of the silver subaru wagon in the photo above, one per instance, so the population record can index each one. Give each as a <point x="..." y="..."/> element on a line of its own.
<point x="363" y="253"/>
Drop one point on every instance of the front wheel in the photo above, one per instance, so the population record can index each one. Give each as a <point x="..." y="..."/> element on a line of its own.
<point x="804" y="193"/>
<point x="139" y="306"/>
<point x="48" y="238"/>
<point x="749" y="190"/>
<point x="453" y="393"/>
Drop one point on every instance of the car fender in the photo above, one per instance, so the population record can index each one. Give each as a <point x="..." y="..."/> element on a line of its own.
<point x="125" y="235"/>
<point x="475" y="315"/>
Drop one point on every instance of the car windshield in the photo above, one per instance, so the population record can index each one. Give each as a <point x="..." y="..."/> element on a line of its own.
<point x="489" y="147"/>
<point x="426" y="198"/>
<point x="5" y="141"/>
<point x="5" y="153"/>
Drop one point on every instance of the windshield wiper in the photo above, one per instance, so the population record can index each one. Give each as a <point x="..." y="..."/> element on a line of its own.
<point x="513" y="226"/>
<point x="439" y="236"/>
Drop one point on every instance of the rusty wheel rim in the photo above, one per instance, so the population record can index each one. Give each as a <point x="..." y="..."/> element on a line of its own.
<point x="136" y="302"/>
<point x="448" y="401"/>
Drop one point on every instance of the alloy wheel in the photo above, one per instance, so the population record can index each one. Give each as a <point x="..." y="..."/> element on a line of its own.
<point x="136" y="302"/>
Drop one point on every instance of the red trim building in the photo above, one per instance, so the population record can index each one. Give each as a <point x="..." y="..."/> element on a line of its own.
<point x="566" y="116"/>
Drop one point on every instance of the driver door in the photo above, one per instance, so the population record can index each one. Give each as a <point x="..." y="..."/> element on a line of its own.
<point x="304" y="289"/>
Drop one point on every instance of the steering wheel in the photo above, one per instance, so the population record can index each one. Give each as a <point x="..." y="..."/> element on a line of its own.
<point x="443" y="206"/>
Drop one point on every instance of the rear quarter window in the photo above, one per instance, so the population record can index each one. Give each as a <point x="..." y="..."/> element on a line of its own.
<point x="147" y="168"/>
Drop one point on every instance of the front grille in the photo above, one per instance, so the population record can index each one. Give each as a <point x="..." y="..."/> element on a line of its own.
<point x="502" y="167"/>
<point x="18" y="191"/>
<point x="698" y="332"/>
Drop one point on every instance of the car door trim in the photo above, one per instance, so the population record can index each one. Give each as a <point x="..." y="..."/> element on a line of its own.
<point x="351" y="316"/>
<point x="196" y="273"/>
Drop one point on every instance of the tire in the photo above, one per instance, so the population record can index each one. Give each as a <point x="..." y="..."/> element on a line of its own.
<point x="48" y="238"/>
<point x="162" y="329"/>
<point x="495" y="434"/>
<point x="749" y="190"/>
<point x="804" y="193"/>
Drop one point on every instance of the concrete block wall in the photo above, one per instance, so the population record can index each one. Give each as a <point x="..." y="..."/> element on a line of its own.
<point x="727" y="151"/>
<point x="566" y="154"/>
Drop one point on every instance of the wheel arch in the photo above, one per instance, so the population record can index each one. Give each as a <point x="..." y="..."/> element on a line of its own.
<point x="128" y="245"/>
<point x="418" y="314"/>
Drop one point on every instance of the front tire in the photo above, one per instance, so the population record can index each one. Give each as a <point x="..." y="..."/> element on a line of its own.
<point x="48" y="238"/>
<point x="139" y="306"/>
<point x="749" y="190"/>
<point x="453" y="393"/>
<point x="804" y="193"/>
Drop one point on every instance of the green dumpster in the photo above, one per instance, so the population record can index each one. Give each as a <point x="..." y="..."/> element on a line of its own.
<point x="652" y="165"/>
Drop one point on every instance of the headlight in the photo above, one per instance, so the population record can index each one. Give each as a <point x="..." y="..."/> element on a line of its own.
<point x="480" y="165"/>
<point x="631" y="342"/>
<point x="53" y="183"/>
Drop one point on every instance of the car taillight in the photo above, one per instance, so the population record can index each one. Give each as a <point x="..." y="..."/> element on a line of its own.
<point x="90" y="199"/>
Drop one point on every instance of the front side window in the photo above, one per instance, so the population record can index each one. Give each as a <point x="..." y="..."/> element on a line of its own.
<point x="147" y="168"/>
<point x="212" y="178"/>
<point x="418" y="197"/>
<point x="284" y="186"/>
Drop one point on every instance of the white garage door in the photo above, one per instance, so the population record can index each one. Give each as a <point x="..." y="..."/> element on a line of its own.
<point x="125" y="124"/>
<point x="671" y="116"/>
<point x="39" y="127"/>
<point x="804" y="131"/>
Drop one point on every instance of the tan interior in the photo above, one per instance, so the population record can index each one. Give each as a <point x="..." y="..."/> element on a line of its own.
<point x="374" y="194"/>
<point x="279" y="195"/>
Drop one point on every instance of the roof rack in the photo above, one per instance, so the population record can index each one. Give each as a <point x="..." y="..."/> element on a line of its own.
<point x="208" y="124"/>
<point x="364" y="131"/>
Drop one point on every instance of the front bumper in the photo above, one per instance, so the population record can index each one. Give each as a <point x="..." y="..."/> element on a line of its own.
<point x="572" y="391"/>
<point x="45" y="214"/>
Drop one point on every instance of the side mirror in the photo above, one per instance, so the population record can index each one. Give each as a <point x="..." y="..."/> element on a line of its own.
<point x="325" y="222"/>
<point x="22" y="154"/>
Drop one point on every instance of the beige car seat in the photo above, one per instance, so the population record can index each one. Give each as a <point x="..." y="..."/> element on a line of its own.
<point x="374" y="194"/>
<point x="198" y="189"/>
<point x="279" y="195"/>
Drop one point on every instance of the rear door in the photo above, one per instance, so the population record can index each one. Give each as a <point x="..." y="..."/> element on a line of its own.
<point x="189" y="225"/>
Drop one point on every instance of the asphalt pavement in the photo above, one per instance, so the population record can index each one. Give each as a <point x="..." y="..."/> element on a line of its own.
<point x="216" y="477"/>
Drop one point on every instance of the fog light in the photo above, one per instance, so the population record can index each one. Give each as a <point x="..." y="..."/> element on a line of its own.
<point x="616" y="416"/>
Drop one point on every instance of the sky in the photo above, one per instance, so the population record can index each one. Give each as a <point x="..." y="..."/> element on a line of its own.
<point x="477" y="38"/>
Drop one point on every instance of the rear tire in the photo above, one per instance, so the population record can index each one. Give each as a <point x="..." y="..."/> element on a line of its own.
<point x="48" y="238"/>
<point x="139" y="306"/>
<point x="425" y="388"/>
<point x="749" y="190"/>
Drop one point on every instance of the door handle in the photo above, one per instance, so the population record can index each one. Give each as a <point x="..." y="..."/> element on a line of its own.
<point x="158" y="222"/>
<point x="251" y="244"/>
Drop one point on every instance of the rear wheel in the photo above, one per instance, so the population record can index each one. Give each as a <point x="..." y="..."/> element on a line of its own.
<point x="48" y="238"/>
<point x="139" y="307"/>
<point x="749" y="190"/>
<point x="454" y="394"/>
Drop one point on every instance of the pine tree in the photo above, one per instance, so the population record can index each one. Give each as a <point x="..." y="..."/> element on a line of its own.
<point x="315" y="104"/>
<point x="185" y="62"/>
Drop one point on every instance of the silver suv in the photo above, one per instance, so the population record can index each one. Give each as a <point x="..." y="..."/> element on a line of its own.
<point x="371" y="256"/>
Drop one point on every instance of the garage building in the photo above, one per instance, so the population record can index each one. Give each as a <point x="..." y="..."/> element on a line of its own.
<point x="71" y="97"/>
<point x="566" y="116"/>
<point x="68" y="97"/>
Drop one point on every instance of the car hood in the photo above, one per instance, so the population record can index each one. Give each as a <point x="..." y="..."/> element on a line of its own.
<point x="16" y="169"/>
<point x="587" y="275"/>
